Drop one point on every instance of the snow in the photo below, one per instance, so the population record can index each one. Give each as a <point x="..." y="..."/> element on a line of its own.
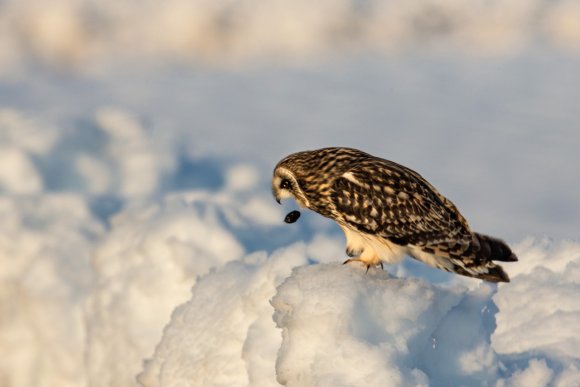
<point x="337" y="325"/>
<point x="76" y="33"/>
<point x="544" y="322"/>
<point x="225" y="331"/>
<point x="141" y="273"/>
<point x="343" y="327"/>
<point x="44" y="282"/>
<point x="140" y="244"/>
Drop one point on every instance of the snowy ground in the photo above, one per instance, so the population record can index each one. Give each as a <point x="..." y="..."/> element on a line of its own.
<point x="139" y="242"/>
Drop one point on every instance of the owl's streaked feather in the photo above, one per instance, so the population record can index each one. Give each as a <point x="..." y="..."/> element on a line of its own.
<point x="387" y="210"/>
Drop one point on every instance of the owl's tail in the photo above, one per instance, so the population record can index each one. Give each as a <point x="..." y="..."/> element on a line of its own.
<point x="493" y="249"/>
<point x="488" y="249"/>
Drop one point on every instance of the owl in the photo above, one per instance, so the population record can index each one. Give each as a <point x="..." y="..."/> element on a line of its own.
<point x="388" y="211"/>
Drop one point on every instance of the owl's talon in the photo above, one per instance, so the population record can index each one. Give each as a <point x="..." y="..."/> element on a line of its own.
<point x="378" y="264"/>
<point x="368" y="265"/>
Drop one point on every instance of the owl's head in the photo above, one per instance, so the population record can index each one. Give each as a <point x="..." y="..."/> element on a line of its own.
<point x="286" y="184"/>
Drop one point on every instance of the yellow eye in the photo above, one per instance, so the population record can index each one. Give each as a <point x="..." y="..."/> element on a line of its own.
<point x="285" y="184"/>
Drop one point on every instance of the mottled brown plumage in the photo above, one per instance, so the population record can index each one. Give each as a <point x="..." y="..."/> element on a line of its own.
<point x="387" y="211"/>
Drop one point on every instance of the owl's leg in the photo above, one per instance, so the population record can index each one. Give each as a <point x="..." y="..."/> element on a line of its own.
<point x="355" y="245"/>
<point x="358" y="249"/>
<point x="368" y="258"/>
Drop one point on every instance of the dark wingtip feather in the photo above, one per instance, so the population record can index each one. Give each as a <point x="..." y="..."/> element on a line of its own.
<point x="512" y="258"/>
<point x="496" y="274"/>
<point x="494" y="249"/>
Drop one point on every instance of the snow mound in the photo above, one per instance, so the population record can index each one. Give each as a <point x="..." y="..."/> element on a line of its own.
<point x="110" y="154"/>
<point x="265" y="321"/>
<point x="224" y="336"/>
<point x="340" y="326"/>
<point x="539" y="313"/>
<point x="343" y="327"/>
<point x="144" y="267"/>
<point x="45" y="277"/>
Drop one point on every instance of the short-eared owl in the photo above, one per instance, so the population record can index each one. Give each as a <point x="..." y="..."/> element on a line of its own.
<point x="388" y="211"/>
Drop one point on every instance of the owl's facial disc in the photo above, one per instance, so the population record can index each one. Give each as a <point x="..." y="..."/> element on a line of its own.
<point x="281" y="189"/>
<point x="285" y="186"/>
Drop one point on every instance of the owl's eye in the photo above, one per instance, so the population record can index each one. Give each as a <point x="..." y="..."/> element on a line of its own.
<point x="285" y="184"/>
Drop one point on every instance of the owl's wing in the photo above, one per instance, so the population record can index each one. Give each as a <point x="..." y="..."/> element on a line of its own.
<point x="396" y="203"/>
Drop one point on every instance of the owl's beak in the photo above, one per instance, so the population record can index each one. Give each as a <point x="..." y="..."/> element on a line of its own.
<point x="276" y="194"/>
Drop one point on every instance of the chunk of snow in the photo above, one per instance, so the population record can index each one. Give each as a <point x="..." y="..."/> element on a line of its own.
<point x="138" y="162"/>
<point x="537" y="374"/>
<point x="18" y="173"/>
<point x="242" y="177"/>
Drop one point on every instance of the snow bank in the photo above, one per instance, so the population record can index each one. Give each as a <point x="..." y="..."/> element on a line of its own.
<point x="342" y="327"/>
<point x="45" y="277"/>
<point x="84" y="302"/>
<point x="111" y="154"/>
<point x="147" y="264"/>
<point x="75" y="33"/>
<point x="335" y="325"/>
<point x="538" y="316"/>
<point x="144" y="267"/>
<point x="224" y="336"/>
